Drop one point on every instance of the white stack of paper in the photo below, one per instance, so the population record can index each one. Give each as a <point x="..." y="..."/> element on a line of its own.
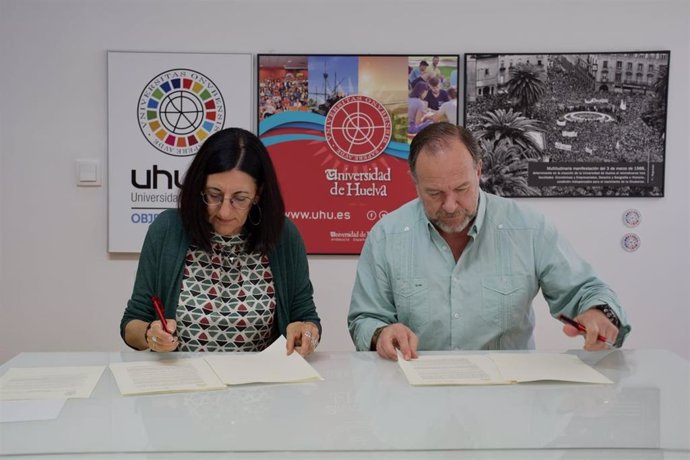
<point x="497" y="369"/>
<point x="49" y="382"/>
<point x="214" y="371"/>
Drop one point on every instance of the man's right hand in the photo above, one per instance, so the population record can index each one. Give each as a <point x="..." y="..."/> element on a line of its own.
<point x="397" y="336"/>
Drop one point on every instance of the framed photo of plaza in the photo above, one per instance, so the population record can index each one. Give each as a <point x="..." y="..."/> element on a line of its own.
<point x="569" y="124"/>
<point x="338" y="129"/>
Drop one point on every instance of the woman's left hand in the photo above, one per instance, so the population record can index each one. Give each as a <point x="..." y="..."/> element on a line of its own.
<point x="303" y="337"/>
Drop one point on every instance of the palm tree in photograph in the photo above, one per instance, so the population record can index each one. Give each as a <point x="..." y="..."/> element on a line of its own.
<point x="504" y="172"/>
<point x="526" y="86"/>
<point x="501" y="125"/>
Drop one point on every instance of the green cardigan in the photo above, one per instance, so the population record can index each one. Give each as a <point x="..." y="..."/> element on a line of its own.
<point x="161" y="264"/>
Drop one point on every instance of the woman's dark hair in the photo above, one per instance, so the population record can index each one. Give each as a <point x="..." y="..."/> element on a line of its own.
<point x="419" y="89"/>
<point x="233" y="148"/>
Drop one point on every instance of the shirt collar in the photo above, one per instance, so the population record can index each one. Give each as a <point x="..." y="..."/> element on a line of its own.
<point x="479" y="219"/>
<point x="428" y="226"/>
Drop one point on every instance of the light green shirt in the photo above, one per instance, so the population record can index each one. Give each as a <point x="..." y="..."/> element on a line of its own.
<point x="407" y="274"/>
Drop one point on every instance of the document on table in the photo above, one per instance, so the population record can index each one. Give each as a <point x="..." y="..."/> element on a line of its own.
<point x="497" y="369"/>
<point x="49" y="382"/>
<point x="214" y="371"/>
<point x="272" y="365"/>
<point x="165" y="376"/>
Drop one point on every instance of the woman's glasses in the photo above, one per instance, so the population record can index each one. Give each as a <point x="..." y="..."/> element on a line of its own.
<point x="216" y="199"/>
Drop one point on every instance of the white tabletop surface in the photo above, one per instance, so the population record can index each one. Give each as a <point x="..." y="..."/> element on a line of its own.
<point x="366" y="409"/>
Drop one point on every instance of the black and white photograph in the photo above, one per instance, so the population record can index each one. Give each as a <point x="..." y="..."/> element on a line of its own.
<point x="569" y="124"/>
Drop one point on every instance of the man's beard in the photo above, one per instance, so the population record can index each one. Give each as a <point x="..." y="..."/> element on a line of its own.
<point x="441" y="225"/>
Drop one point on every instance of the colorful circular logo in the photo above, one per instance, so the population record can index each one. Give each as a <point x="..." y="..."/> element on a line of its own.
<point x="358" y="128"/>
<point x="178" y="109"/>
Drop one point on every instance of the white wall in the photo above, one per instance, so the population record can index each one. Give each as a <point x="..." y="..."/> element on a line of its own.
<point x="61" y="290"/>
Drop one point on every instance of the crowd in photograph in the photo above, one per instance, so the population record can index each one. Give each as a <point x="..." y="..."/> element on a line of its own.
<point x="282" y="95"/>
<point x="571" y="121"/>
<point x="622" y="136"/>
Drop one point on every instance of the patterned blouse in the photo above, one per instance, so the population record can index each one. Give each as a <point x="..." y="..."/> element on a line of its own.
<point x="227" y="301"/>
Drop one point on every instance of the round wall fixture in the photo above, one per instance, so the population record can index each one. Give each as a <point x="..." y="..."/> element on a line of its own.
<point x="632" y="218"/>
<point x="631" y="242"/>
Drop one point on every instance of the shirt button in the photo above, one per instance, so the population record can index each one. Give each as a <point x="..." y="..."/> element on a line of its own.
<point x="406" y="229"/>
<point x="500" y="225"/>
<point x="456" y="315"/>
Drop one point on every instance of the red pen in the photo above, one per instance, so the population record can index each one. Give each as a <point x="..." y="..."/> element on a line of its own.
<point x="158" y="306"/>
<point x="582" y="329"/>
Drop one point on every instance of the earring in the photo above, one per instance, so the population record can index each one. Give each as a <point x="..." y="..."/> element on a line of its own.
<point x="250" y="215"/>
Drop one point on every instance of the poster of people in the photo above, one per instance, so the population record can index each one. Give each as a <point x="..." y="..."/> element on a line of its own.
<point x="338" y="129"/>
<point x="569" y="125"/>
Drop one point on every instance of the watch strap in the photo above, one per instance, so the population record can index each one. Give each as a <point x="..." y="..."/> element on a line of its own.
<point x="609" y="313"/>
<point x="375" y="337"/>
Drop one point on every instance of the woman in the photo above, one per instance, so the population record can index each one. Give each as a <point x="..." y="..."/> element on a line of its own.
<point x="228" y="266"/>
<point x="418" y="116"/>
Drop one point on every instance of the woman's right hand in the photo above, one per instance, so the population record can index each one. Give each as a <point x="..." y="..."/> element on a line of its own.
<point x="159" y="340"/>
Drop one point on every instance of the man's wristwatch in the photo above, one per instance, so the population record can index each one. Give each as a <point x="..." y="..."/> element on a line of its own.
<point x="606" y="310"/>
<point x="375" y="338"/>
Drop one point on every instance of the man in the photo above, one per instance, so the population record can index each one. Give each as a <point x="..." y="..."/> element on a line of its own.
<point x="457" y="268"/>
<point x="417" y="73"/>
<point x="436" y="95"/>
<point x="449" y="109"/>
<point x="435" y="70"/>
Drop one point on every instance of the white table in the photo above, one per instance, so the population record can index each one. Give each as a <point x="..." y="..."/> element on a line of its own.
<point x="366" y="409"/>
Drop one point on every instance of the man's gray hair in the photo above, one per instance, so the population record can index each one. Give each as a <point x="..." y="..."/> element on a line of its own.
<point x="435" y="137"/>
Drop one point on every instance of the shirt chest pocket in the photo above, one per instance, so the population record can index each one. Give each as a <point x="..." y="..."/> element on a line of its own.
<point x="410" y="296"/>
<point x="505" y="299"/>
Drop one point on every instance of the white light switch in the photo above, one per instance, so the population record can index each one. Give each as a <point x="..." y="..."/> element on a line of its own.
<point x="89" y="173"/>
